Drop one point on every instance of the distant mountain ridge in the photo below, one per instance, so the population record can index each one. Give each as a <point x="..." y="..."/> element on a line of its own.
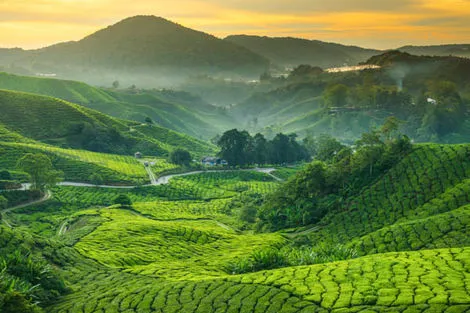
<point x="459" y="50"/>
<point x="291" y="52"/>
<point x="142" y="45"/>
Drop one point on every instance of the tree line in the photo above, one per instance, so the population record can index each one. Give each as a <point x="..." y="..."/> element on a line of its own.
<point x="239" y="148"/>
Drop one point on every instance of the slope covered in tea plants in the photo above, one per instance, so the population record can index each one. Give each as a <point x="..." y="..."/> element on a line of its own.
<point x="420" y="203"/>
<point x="66" y="124"/>
<point x="178" y="246"/>
<point x="175" y="110"/>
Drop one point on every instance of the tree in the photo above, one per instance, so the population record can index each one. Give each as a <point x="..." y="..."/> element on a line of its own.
<point x="40" y="169"/>
<point x="327" y="147"/>
<point x="390" y="127"/>
<point x="148" y="120"/>
<point x="115" y="84"/>
<point x="123" y="200"/>
<point x="260" y="146"/>
<point x="96" y="179"/>
<point x="3" y="203"/>
<point x="180" y="157"/>
<point x="235" y="147"/>
<point x="248" y="214"/>
<point x="336" y="95"/>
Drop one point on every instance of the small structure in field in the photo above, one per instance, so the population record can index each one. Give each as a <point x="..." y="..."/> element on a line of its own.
<point x="138" y="155"/>
<point x="213" y="161"/>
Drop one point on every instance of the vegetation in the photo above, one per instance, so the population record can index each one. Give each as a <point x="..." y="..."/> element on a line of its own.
<point x="322" y="185"/>
<point x="239" y="148"/>
<point x="39" y="167"/>
<point x="374" y="223"/>
<point x="180" y="157"/>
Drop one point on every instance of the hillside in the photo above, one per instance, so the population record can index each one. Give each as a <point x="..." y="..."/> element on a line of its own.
<point x="62" y="123"/>
<point x="141" y="46"/>
<point x="178" y="111"/>
<point x="291" y="52"/>
<point x="178" y="247"/>
<point x="430" y="94"/>
<point x="458" y="50"/>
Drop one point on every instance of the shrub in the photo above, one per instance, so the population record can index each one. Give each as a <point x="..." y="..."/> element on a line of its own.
<point x="123" y="200"/>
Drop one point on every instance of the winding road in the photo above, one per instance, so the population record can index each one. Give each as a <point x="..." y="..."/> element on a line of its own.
<point x="153" y="182"/>
<point x="3" y="213"/>
<point x="163" y="180"/>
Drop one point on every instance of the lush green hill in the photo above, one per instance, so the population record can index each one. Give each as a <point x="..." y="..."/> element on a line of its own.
<point x="178" y="111"/>
<point x="66" y="124"/>
<point x="291" y="52"/>
<point x="420" y="203"/>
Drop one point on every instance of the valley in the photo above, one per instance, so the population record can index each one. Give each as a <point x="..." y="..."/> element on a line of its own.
<point x="156" y="168"/>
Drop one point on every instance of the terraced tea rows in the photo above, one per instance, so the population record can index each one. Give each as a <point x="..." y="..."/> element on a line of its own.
<point x="175" y="248"/>
<point x="420" y="186"/>
<point x="78" y="165"/>
<point x="427" y="281"/>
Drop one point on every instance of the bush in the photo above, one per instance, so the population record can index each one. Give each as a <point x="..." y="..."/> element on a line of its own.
<point x="180" y="157"/>
<point x="123" y="200"/>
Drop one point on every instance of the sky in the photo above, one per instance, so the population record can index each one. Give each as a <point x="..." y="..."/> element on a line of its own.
<point x="369" y="23"/>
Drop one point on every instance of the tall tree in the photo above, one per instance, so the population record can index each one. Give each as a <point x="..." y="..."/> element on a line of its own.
<point x="180" y="157"/>
<point x="40" y="170"/>
<point x="336" y="95"/>
<point x="260" y="147"/>
<point x="235" y="147"/>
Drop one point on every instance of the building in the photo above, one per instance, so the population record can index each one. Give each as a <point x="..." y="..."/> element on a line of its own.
<point x="138" y="155"/>
<point x="213" y="161"/>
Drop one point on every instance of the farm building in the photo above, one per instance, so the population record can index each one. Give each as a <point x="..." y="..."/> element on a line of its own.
<point x="213" y="161"/>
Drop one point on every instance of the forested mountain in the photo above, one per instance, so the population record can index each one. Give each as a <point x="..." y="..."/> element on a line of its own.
<point x="430" y="94"/>
<point x="291" y="52"/>
<point x="146" y="48"/>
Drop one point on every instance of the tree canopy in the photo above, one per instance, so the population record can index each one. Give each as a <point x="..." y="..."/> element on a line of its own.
<point x="240" y="148"/>
<point x="40" y="170"/>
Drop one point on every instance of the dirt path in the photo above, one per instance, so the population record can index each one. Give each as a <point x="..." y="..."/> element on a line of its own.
<point x="3" y="213"/>
<point x="303" y="232"/>
<point x="62" y="228"/>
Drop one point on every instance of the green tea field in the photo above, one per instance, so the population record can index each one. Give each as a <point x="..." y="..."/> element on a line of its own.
<point x="179" y="246"/>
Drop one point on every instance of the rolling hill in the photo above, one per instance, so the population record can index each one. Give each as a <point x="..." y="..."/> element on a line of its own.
<point x="291" y="52"/>
<point x="458" y="50"/>
<point x="174" y="110"/>
<point x="65" y="124"/>
<point x="401" y="85"/>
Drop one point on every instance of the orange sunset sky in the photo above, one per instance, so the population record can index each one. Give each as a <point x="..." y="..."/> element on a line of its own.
<point x="369" y="23"/>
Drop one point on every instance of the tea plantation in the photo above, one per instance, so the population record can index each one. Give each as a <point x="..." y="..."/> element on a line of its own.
<point x="176" y="247"/>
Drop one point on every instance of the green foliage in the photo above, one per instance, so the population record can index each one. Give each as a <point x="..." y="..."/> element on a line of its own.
<point x="40" y="169"/>
<point x="3" y="202"/>
<point x="180" y="157"/>
<point x="123" y="200"/>
<point x="336" y="95"/>
<point x="5" y="175"/>
<point x="240" y="148"/>
<point x="277" y="257"/>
